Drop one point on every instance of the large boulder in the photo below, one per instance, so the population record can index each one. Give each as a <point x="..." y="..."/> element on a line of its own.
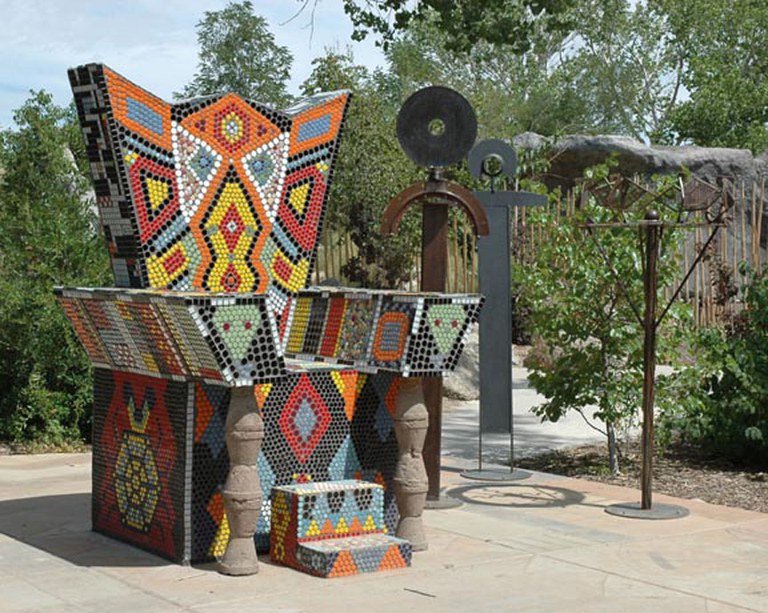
<point x="571" y="155"/>
<point x="464" y="383"/>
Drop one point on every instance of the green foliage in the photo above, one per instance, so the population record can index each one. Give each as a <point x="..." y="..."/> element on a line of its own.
<point x="726" y="70"/>
<point x="589" y="347"/>
<point x="624" y="67"/>
<point x="613" y="71"/>
<point x="720" y="401"/>
<point x="464" y="22"/>
<point x="650" y="69"/>
<point x="239" y="54"/>
<point x="48" y="238"/>
<point x="510" y="93"/>
<point x="371" y="168"/>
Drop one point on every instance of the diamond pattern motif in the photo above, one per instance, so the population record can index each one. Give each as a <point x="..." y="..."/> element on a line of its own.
<point x="305" y="419"/>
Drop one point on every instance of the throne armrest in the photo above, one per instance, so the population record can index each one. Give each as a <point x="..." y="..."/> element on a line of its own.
<point x="228" y="339"/>
<point x="412" y="334"/>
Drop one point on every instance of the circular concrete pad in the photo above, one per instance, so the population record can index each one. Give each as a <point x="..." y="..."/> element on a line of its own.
<point x="496" y="475"/>
<point x="444" y="502"/>
<point x="632" y="510"/>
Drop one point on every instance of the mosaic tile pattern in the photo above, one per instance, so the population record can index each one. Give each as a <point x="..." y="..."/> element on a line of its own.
<point x="216" y="194"/>
<point x="354" y="440"/>
<point x="232" y="338"/>
<point x="330" y="509"/>
<point x="216" y="338"/>
<point x="139" y="460"/>
<point x="333" y="529"/>
<point x="353" y="555"/>
<point x="210" y="465"/>
<point x="160" y="458"/>
<point x="211" y="209"/>
<point x="412" y="334"/>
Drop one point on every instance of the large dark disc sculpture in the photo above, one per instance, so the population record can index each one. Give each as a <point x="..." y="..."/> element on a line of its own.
<point x="495" y="160"/>
<point x="619" y="193"/>
<point x="436" y="127"/>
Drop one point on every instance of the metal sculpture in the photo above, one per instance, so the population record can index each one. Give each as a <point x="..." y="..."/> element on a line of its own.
<point x="436" y="127"/>
<point x="495" y="160"/>
<point x="621" y="194"/>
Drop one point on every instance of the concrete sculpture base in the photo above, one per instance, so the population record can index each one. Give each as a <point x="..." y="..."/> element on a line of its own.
<point x="242" y="491"/>
<point x="410" y="481"/>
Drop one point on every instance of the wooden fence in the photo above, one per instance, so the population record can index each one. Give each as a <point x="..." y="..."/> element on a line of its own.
<point x="337" y="248"/>
<point x="711" y="289"/>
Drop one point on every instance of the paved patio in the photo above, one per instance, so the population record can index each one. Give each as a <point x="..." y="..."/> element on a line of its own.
<point x="543" y="544"/>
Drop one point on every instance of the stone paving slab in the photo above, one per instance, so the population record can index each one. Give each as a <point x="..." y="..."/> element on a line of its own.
<point x="532" y="436"/>
<point x="543" y="544"/>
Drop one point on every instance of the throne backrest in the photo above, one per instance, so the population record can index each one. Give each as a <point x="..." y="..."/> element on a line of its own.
<point x="215" y="194"/>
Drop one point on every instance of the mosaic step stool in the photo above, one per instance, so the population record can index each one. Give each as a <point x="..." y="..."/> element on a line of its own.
<point x="353" y="555"/>
<point x="333" y="529"/>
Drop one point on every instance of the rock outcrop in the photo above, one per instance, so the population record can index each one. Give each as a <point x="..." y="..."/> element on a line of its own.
<point x="571" y="155"/>
<point x="464" y="382"/>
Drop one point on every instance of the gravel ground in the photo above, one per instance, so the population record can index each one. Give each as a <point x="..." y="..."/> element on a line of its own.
<point x="678" y="471"/>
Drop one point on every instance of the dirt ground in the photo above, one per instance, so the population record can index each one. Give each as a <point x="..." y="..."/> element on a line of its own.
<point x="678" y="471"/>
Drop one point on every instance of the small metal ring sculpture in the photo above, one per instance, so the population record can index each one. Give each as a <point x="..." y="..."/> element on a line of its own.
<point x="490" y="151"/>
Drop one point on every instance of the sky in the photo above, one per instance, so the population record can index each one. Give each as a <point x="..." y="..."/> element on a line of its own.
<point x="150" y="42"/>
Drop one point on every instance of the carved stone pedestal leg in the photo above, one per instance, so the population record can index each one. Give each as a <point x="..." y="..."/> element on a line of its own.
<point x="410" y="481"/>
<point x="242" y="491"/>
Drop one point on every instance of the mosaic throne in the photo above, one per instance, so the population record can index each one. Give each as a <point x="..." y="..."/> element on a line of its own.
<point x="212" y="210"/>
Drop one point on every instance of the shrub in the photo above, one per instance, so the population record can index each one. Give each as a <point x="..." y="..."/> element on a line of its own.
<point x="48" y="237"/>
<point x="588" y="342"/>
<point x="720" y="401"/>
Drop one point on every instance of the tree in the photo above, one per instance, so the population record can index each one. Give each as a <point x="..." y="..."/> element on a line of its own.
<point x="464" y="22"/>
<point x="725" y="73"/>
<point x="239" y="54"/>
<point x="370" y="169"/>
<point x="589" y="342"/>
<point x="625" y="67"/>
<point x="650" y="69"/>
<point x="614" y="71"/>
<point x="511" y="93"/>
<point x="48" y="239"/>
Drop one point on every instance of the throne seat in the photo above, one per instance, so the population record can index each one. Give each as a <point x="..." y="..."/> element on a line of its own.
<point x="212" y="209"/>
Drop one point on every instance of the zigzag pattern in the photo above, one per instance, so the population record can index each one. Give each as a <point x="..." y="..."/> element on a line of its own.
<point x="333" y="529"/>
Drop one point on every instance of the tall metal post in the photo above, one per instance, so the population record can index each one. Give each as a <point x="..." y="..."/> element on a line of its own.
<point x="493" y="159"/>
<point x="652" y="229"/>
<point x="434" y="274"/>
<point x="651" y="226"/>
<point x="436" y="128"/>
<point x="624" y="193"/>
<point x="495" y="280"/>
<point x="435" y="195"/>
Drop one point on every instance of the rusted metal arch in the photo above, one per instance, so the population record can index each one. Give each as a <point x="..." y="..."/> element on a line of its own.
<point x="444" y="190"/>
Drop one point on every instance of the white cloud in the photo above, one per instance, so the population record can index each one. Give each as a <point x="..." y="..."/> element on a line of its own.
<point x="152" y="42"/>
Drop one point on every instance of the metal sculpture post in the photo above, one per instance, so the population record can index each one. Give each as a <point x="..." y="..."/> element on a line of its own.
<point x="436" y="128"/>
<point x="650" y="277"/>
<point x="697" y="195"/>
<point x="494" y="159"/>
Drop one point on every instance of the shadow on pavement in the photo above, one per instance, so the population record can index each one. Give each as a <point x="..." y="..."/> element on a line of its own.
<point x="517" y="495"/>
<point x="61" y="525"/>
